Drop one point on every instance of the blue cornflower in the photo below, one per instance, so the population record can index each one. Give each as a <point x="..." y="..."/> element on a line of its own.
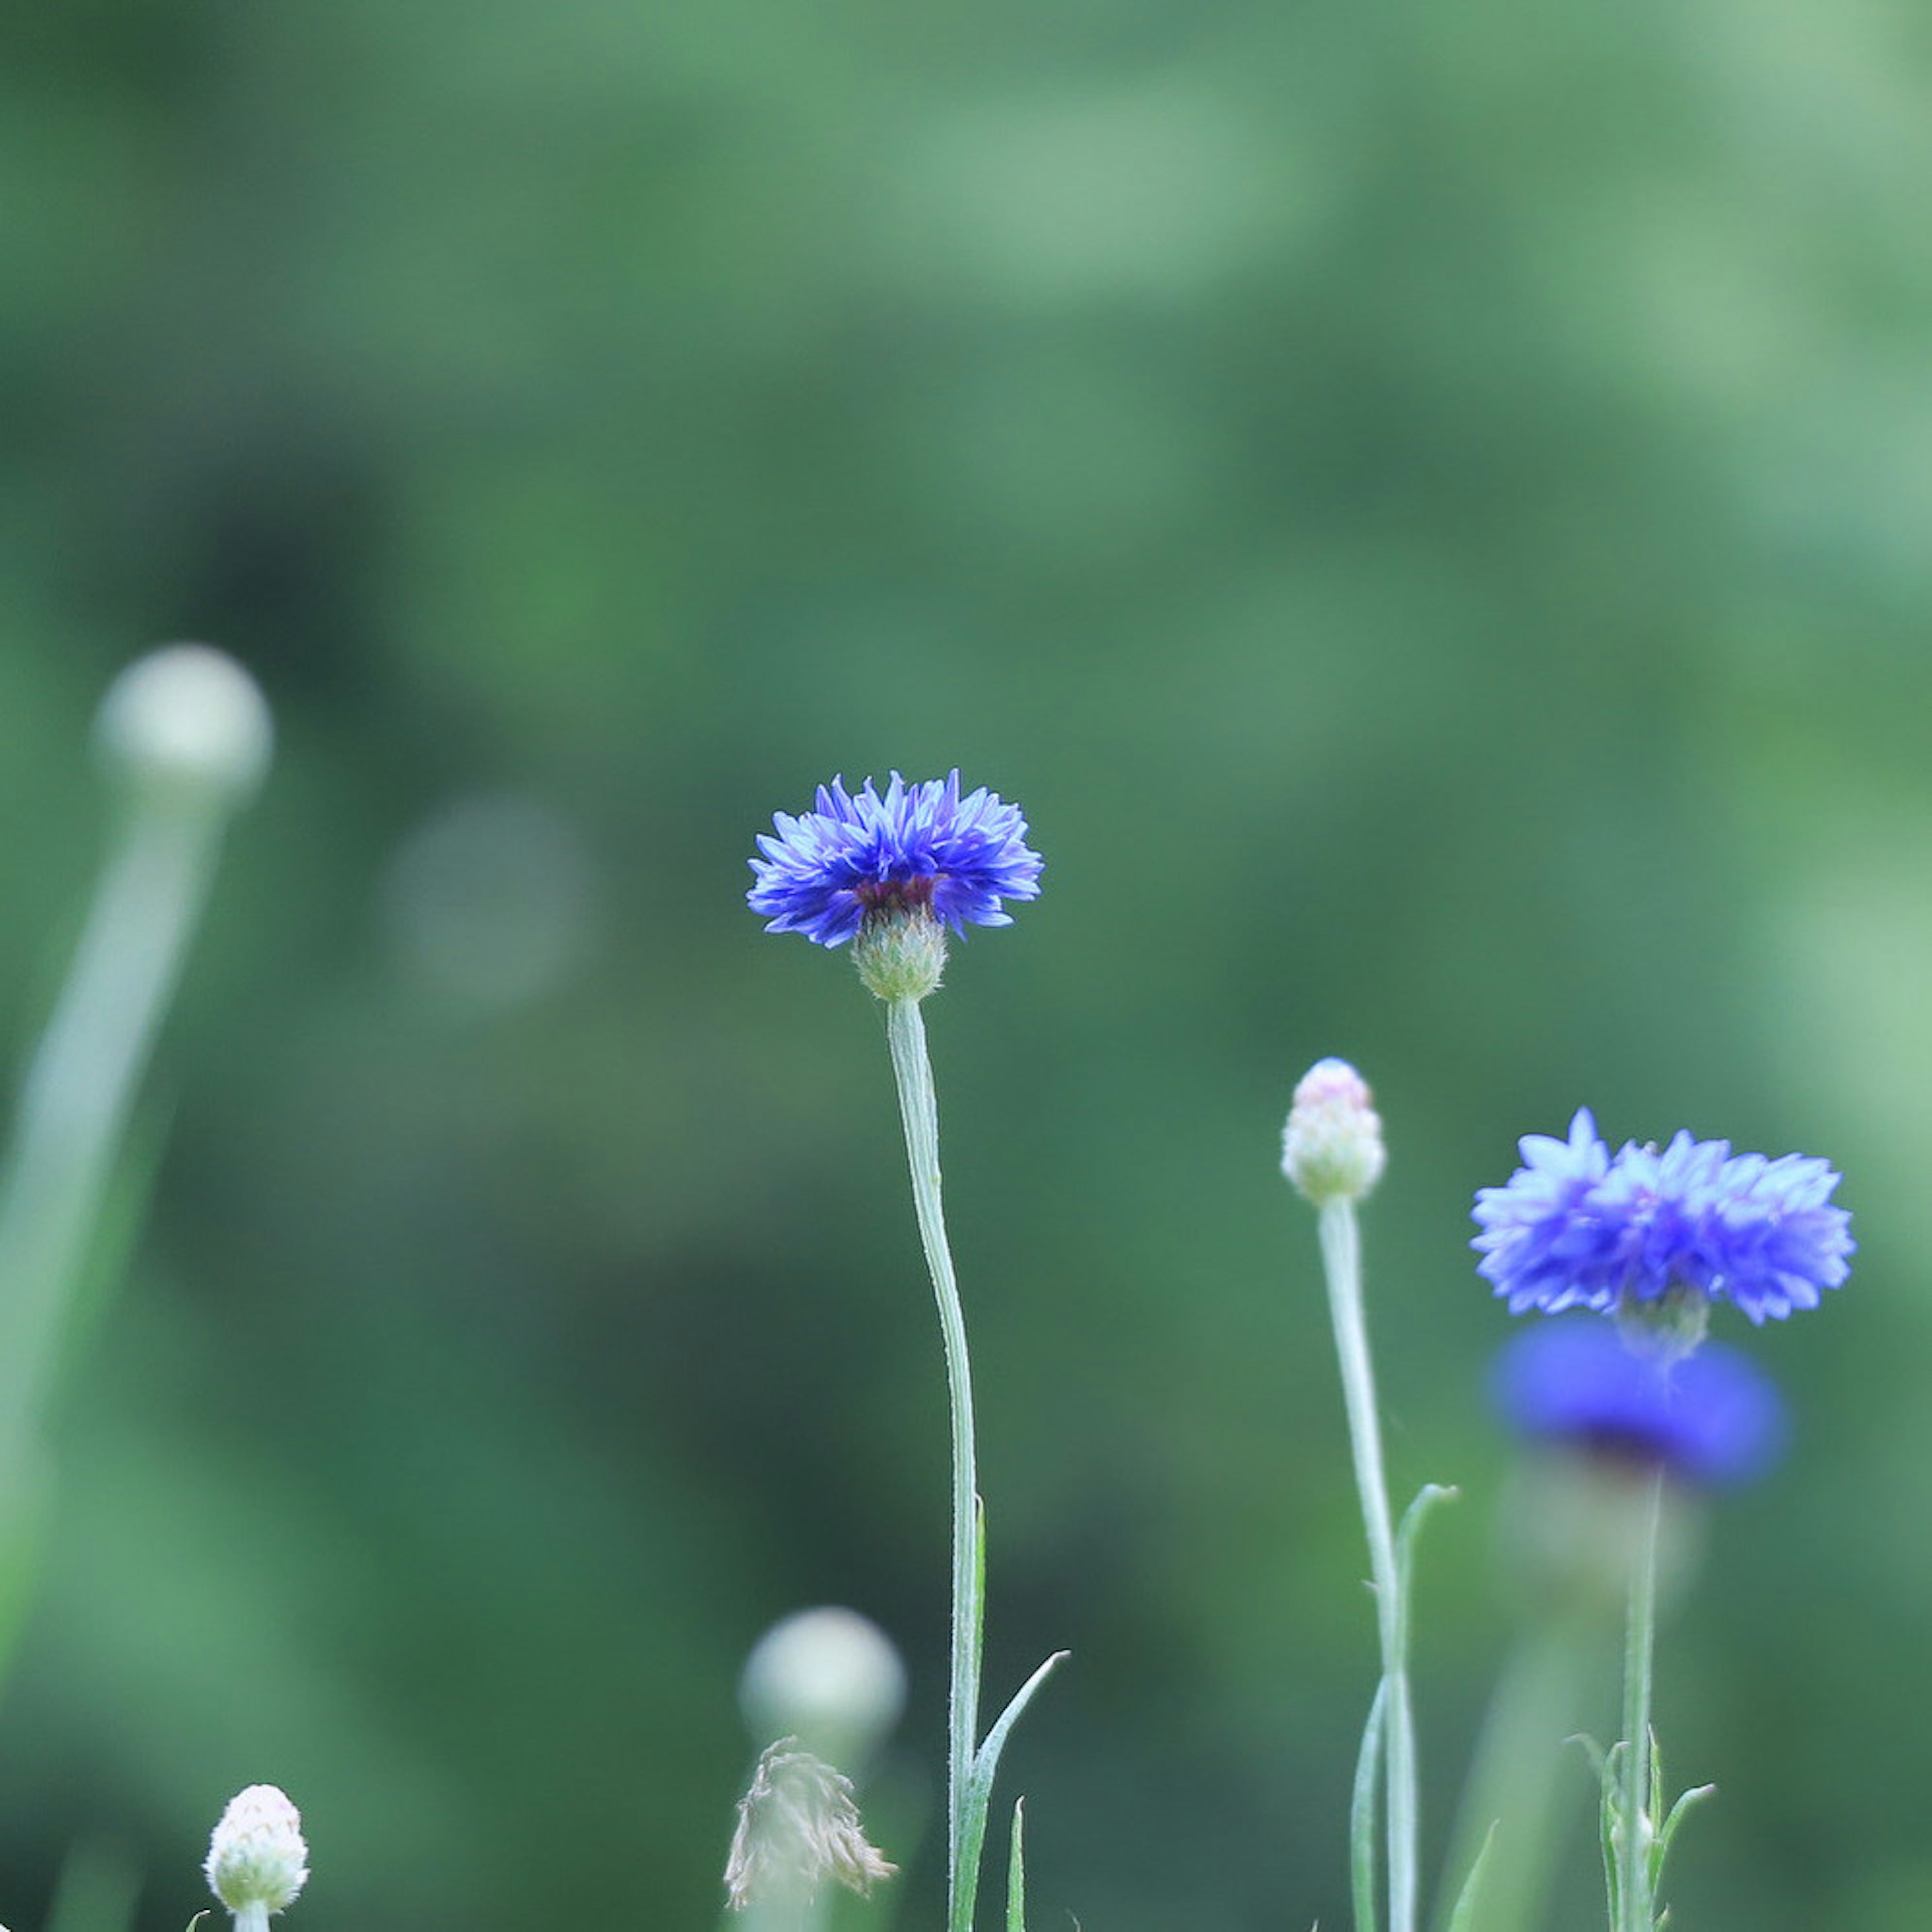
<point x="1577" y="1227"/>
<point x="1713" y="1417"/>
<point x="921" y="848"/>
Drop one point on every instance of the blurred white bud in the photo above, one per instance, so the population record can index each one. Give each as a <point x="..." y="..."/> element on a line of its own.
<point x="829" y="1677"/>
<point x="189" y="719"/>
<point x="798" y="1827"/>
<point x="257" y="1860"/>
<point x="1332" y="1147"/>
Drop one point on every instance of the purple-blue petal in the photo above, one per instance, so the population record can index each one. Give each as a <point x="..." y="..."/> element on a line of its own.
<point x="1576" y="1226"/>
<point x="821" y="871"/>
<point x="1714" y="1418"/>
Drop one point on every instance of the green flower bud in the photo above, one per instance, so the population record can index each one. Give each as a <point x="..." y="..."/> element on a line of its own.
<point x="900" y="953"/>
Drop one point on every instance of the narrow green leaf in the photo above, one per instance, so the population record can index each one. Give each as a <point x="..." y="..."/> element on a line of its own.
<point x="979" y="1545"/>
<point x="1611" y="1761"/>
<point x="1429" y="1499"/>
<point x="1463" y="1918"/>
<point x="1695" y="1795"/>
<point x="1600" y="1761"/>
<point x="1016" y="1871"/>
<point x="986" y="1761"/>
<point x="1362" y="1814"/>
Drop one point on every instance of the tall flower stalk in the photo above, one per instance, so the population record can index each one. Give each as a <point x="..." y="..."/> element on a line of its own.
<point x="919" y="1111"/>
<point x="186" y="736"/>
<point x="891" y="874"/>
<point x="1654" y="1237"/>
<point x="1636" y="1906"/>
<point x="1332" y="1151"/>
<point x="1341" y="1261"/>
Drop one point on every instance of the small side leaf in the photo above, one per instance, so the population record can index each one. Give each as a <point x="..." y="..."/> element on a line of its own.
<point x="1016" y="1871"/>
<point x="985" y="1762"/>
<point x="1610" y="1765"/>
<point x="1463" y="1918"/>
<point x="1429" y="1499"/>
<point x="1362" y="1814"/>
<point x="1695" y="1795"/>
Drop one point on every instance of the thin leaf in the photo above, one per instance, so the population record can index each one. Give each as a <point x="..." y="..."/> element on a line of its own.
<point x="1599" y="1761"/>
<point x="979" y="1545"/>
<point x="1463" y="1918"/>
<point x="1429" y="1499"/>
<point x="1362" y="1814"/>
<point x="986" y="1761"/>
<point x="1016" y="1872"/>
<point x="1695" y="1795"/>
<point x="1611" y="1762"/>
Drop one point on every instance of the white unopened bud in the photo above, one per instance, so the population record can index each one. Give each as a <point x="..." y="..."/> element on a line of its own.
<point x="257" y="1860"/>
<point x="1332" y="1147"/>
<point x="187" y="718"/>
<point x="829" y="1677"/>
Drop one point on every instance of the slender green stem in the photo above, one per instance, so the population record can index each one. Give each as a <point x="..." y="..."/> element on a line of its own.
<point x="1342" y="1258"/>
<point x="1637" y="1907"/>
<point x="919" y="1110"/>
<point x="79" y="1089"/>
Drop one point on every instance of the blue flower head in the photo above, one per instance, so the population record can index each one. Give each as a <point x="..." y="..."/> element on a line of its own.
<point x="1579" y="1227"/>
<point x="1713" y="1418"/>
<point x="921" y="848"/>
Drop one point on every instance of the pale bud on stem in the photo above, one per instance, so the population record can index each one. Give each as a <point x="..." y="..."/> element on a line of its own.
<point x="187" y="719"/>
<point x="1332" y="1146"/>
<point x="186" y="731"/>
<point x="257" y="1862"/>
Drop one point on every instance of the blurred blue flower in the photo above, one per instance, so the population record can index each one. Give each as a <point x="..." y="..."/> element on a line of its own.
<point x="1576" y="1227"/>
<point x="1713" y="1418"/>
<point x="825" y="871"/>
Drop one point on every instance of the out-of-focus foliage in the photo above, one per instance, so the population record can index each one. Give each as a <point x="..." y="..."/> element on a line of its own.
<point x="1427" y="509"/>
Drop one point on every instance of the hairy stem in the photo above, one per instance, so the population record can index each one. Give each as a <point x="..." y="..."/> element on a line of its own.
<point x="919" y="1110"/>
<point x="1637" y="1911"/>
<point x="1342" y="1259"/>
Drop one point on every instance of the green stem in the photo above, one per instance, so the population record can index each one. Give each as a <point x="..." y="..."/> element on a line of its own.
<point x="919" y="1110"/>
<point x="1342" y="1260"/>
<point x="1636" y="1908"/>
<point x="79" y="1089"/>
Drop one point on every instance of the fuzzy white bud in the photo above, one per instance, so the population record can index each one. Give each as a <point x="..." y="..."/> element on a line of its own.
<point x="257" y="1860"/>
<point x="829" y="1677"/>
<point x="188" y="719"/>
<point x="798" y="1827"/>
<point x="1332" y="1146"/>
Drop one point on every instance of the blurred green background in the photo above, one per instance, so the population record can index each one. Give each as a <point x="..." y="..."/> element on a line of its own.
<point x="1427" y="509"/>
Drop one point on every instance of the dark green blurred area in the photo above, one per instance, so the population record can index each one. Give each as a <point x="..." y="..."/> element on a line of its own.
<point x="1429" y="511"/>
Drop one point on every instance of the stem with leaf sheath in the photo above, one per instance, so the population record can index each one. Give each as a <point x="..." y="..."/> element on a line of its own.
<point x="1342" y="1261"/>
<point x="1637" y="1911"/>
